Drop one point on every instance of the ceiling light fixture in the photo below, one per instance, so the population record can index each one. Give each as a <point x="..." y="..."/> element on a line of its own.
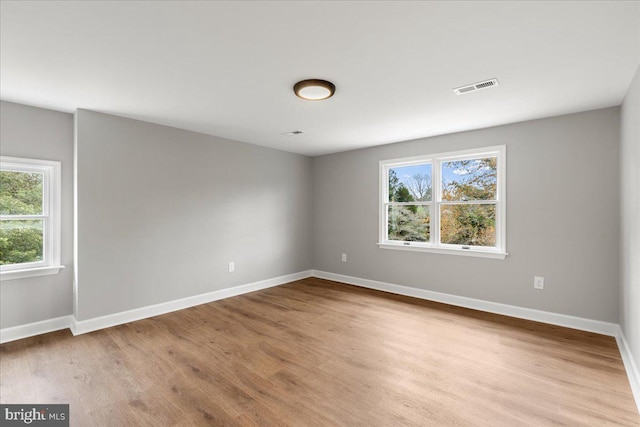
<point x="314" y="89"/>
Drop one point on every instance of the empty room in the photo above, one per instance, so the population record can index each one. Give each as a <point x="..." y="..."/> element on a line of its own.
<point x="319" y="213"/>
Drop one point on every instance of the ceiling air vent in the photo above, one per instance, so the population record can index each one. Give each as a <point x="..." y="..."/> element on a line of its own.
<point x="476" y="86"/>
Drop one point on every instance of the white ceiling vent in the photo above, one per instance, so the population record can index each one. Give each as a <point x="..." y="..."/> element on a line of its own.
<point x="476" y="86"/>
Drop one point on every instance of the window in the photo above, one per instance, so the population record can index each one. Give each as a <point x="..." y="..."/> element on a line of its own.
<point x="29" y="217"/>
<point x="448" y="203"/>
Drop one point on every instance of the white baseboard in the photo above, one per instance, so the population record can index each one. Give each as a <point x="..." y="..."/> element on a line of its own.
<point x="630" y="366"/>
<point x="83" y="326"/>
<point x="597" y="326"/>
<point x="89" y="325"/>
<point x="35" y="328"/>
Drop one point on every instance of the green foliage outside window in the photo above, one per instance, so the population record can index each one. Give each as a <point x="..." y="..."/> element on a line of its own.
<point x="460" y="224"/>
<point x="20" y="239"/>
<point x="409" y="223"/>
<point x="475" y="224"/>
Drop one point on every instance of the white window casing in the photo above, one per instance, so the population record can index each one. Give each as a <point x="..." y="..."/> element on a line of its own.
<point x="50" y="217"/>
<point x="436" y="203"/>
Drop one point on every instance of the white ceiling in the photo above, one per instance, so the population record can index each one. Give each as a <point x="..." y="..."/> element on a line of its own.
<point x="228" y="68"/>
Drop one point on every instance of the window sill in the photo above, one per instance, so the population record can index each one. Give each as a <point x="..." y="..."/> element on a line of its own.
<point x="30" y="272"/>
<point x="447" y="251"/>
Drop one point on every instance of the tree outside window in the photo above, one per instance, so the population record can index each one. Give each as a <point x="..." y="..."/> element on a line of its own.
<point x="452" y="201"/>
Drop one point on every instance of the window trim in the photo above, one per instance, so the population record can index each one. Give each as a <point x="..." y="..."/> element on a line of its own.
<point x="434" y="246"/>
<point x="51" y="202"/>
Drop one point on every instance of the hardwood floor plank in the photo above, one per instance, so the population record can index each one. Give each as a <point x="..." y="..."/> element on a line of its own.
<point x="321" y="353"/>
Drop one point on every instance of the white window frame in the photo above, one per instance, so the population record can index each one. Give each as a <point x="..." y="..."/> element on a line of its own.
<point x="435" y="205"/>
<point x="51" y="205"/>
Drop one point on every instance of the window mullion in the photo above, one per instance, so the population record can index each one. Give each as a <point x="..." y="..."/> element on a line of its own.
<point x="436" y="196"/>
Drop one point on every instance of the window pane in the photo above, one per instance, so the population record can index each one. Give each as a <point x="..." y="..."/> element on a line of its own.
<point x="20" y="241"/>
<point x="410" y="183"/>
<point x="409" y="223"/>
<point x="474" y="179"/>
<point x="20" y="193"/>
<point x="472" y="225"/>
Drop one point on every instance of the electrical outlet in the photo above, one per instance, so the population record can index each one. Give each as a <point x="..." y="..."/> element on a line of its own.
<point x="232" y="267"/>
<point x="538" y="282"/>
<point x="344" y="257"/>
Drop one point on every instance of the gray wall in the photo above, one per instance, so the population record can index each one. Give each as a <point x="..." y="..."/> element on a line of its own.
<point x="630" y="189"/>
<point x="40" y="134"/>
<point x="177" y="206"/>
<point x="161" y="212"/>
<point x="562" y="217"/>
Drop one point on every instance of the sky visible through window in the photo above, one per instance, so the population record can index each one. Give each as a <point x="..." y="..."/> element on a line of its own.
<point x="406" y="173"/>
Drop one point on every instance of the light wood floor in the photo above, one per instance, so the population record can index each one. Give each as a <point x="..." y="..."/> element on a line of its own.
<point x="315" y="352"/>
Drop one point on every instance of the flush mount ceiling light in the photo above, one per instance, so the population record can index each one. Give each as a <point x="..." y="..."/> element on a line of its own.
<point x="314" y="89"/>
